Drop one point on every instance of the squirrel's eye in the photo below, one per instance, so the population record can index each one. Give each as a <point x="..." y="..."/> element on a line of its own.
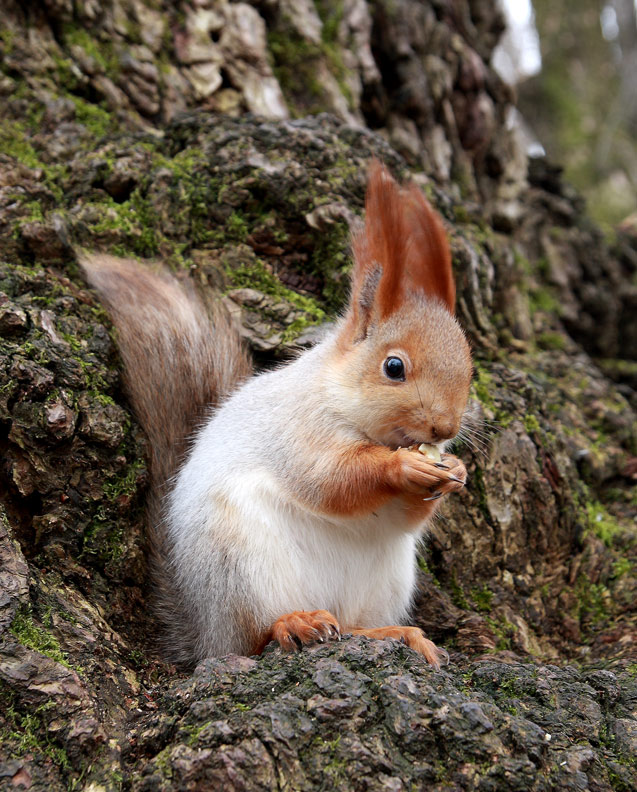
<point x="394" y="368"/>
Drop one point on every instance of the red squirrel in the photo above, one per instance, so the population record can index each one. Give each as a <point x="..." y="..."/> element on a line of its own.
<point x="288" y="505"/>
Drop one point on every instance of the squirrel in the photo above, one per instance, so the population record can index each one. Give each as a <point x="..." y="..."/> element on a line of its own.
<point x="288" y="505"/>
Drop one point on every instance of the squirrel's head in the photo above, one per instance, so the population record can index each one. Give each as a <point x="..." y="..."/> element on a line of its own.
<point x="403" y="365"/>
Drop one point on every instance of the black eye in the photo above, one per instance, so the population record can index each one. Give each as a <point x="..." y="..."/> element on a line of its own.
<point x="394" y="368"/>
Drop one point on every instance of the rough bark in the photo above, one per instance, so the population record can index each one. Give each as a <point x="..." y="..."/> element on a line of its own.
<point x="528" y="577"/>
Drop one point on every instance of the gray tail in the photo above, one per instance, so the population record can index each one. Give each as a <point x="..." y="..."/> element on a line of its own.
<point x="179" y="356"/>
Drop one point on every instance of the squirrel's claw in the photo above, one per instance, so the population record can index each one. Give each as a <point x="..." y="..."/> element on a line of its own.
<point x="295" y="630"/>
<point x="435" y="496"/>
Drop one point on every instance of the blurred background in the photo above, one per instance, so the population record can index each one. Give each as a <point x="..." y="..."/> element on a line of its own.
<point x="574" y="64"/>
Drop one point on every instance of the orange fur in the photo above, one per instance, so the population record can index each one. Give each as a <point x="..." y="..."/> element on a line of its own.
<point x="299" y="628"/>
<point x="412" y="636"/>
<point x="417" y="509"/>
<point x="364" y="480"/>
<point x="428" y="260"/>
<point x="294" y="630"/>
<point x="402" y="250"/>
<point x="368" y="476"/>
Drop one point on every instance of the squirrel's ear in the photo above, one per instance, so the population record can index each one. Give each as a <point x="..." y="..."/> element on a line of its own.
<point x="361" y="308"/>
<point x="377" y="249"/>
<point x="402" y="249"/>
<point x="428" y="256"/>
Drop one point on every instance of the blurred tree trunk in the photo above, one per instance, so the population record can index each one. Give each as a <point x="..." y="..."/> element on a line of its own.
<point x="583" y="104"/>
<point x="627" y="40"/>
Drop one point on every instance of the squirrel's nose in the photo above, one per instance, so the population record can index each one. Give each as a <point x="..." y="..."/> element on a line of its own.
<point x="442" y="430"/>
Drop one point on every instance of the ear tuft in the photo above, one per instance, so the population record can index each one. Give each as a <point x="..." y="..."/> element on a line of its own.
<point x="402" y="249"/>
<point x="428" y="256"/>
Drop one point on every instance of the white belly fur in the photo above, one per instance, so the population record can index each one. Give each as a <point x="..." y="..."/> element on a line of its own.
<point x="286" y="558"/>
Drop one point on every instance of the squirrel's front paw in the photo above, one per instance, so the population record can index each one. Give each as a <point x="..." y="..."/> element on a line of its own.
<point x="296" y="629"/>
<point x="420" y="474"/>
<point x="456" y="475"/>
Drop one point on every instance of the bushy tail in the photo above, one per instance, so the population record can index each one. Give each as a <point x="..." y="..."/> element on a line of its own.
<point x="179" y="356"/>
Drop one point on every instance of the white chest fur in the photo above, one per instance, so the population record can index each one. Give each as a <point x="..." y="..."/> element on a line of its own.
<point x="283" y="558"/>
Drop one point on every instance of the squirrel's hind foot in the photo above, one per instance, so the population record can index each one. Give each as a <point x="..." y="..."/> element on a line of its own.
<point x="294" y="630"/>
<point x="413" y="637"/>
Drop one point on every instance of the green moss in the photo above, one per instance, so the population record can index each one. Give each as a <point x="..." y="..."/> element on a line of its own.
<point x="96" y="119"/>
<point x="104" y="540"/>
<point x="297" y="328"/>
<point x="101" y="51"/>
<point x="35" y="212"/>
<point x="531" y="423"/>
<point x="441" y="771"/>
<point x="482" y="598"/>
<point x="503" y="630"/>
<point x="135" y="227"/>
<point x="331" y="14"/>
<point x="295" y="65"/>
<point x="462" y="215"/>
<point x="467" y="682"/>
<point x="619" y="368"/>
<point x="14" y="142"/>
<point x="27" y="733"/>
<point x="543" y="300"/>
<point x="193" y="732"/>
<point x="508" y="688"/>
<point x="29" y="634"/>
<point x="125" y="483"/>
<point x="236" y="227"/>
<point x="622" y="566"/>
<point x="73" y="341"/>
<point x="457" y="594"/>
<point x="133" y="31"/>
<point x="297" y="61"/>
<point x="543" y="267"/>
<point x="94" y="375"/>
<point x="136" y="219"/>
<point x="601" y="523"/>
<point x="482" y="387"/>
<point x="102" y="398"/>
<point x="336" y="765"/>
<point x="594" y="600"/>
<point x="68" y="75"/>
<point x="255" y="275"/>
<point x="331" y="259"/>
<point x="424" y="566"/>
<point x="7" y="37"/>
<point x="477" y="482"/>
<point x="550" y="340"/>
<point x="163" y="762"/>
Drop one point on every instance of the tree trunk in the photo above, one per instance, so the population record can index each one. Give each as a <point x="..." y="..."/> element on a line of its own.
<point x="163" y="130"/>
